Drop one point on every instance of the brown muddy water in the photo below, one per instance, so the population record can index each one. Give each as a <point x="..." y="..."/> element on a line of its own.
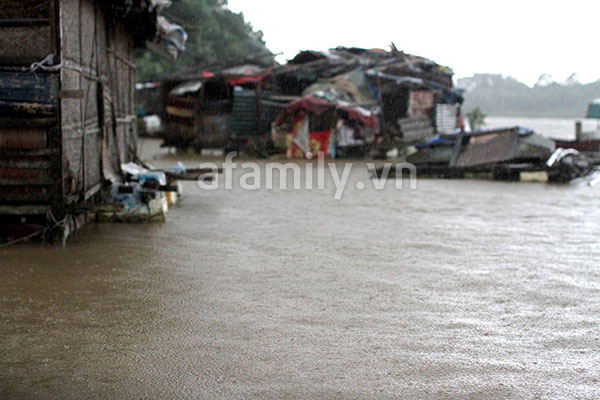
<point x="459" y="289"/>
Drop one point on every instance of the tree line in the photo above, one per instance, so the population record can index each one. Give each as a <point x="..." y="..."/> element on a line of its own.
<point x="214" y="33"/>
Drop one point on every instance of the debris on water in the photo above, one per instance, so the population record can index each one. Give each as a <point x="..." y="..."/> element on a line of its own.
<point x="508" y="154"/>
<point x="143" y="196"/>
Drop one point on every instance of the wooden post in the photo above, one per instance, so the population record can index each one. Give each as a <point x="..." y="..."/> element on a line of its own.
<point x="578" y="131"/>
<point x="260" y="126"/>
<point x="53" y="31"/>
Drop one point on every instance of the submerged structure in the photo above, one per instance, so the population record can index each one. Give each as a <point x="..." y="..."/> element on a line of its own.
<point x="504" y="153"/>
<point x="67" y="110"/>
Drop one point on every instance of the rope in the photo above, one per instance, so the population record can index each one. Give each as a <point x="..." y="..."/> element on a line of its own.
<point x="32" y="235"/>
<point x="46" y="64"/>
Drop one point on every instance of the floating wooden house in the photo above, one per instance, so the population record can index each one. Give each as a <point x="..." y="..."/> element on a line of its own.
<point x="67" y="110"/>
<point x="219" y="107"/>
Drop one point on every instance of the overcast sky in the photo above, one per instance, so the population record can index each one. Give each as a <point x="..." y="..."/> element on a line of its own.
<point x="523" y="38"/>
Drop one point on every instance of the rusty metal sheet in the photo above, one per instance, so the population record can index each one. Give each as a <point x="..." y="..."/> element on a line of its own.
<point x="26" y="182"/>
<point x="25" y="138"/>
<point x="22" y="190"/>
<point x="488" y="148"/>
<point x="16" y="194"/>
<point x="420" y="103"/>
<point x="22" y="92"/>
<point x="25" y="198"/>
<point x="24" y="162"/>
<point x="7" y="173"/>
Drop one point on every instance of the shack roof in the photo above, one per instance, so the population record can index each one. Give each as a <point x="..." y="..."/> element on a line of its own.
<point x="217" y="70"/>
<point x="385" y="64"/>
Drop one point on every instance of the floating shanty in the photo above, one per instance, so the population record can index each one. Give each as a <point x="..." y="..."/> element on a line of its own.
<point x="232" y="105"/>
<point x="410" y="97"/>
<point x="67" y="112"/>
<point x="213" y="106"/>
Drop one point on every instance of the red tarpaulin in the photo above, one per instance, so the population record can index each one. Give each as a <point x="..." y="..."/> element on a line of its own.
<point x="245" y="80"/>
<point x="317" y="106"/>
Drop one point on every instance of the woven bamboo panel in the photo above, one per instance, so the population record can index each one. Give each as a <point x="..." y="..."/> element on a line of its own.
<point x="93" y="159"/>
<point x="89" y="35"/>
<point x="18" y="9"/>
<point x="71" y="108"/>
<point x="25" y="42"/>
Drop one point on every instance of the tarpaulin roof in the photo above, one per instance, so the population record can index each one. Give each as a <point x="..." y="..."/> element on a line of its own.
<point x="243" y="80"/>
<point x="351" y="87"/>
<point x="316" y="106"/>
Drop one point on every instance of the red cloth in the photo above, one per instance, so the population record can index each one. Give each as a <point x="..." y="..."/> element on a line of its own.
<point x="320" y="142"/>
<point x="355" y="114"/>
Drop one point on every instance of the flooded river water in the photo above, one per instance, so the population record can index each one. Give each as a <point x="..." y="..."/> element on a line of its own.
<point x="458" y="289"/>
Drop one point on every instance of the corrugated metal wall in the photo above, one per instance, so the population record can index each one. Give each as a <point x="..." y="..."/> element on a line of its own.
<point x="446" y="117"/>
<point x="244" y="118"/>
<point x="29" y="130"/>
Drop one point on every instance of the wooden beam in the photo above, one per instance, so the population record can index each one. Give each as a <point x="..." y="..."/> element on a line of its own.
<point x="9" y="23"/>
<point x="23" y="210"/>
<point x="26" y="182"/>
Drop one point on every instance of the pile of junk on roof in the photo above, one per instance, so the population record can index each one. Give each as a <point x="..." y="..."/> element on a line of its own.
<point x="352" y="102"/>
<point x="67" y="113"/>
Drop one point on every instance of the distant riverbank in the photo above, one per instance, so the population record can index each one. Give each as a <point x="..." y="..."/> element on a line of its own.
<point x="559" y="128"/>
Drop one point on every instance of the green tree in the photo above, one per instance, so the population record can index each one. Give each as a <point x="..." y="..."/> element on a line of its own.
<point x="215" y="33"/>
<point x="476" y="118"/>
